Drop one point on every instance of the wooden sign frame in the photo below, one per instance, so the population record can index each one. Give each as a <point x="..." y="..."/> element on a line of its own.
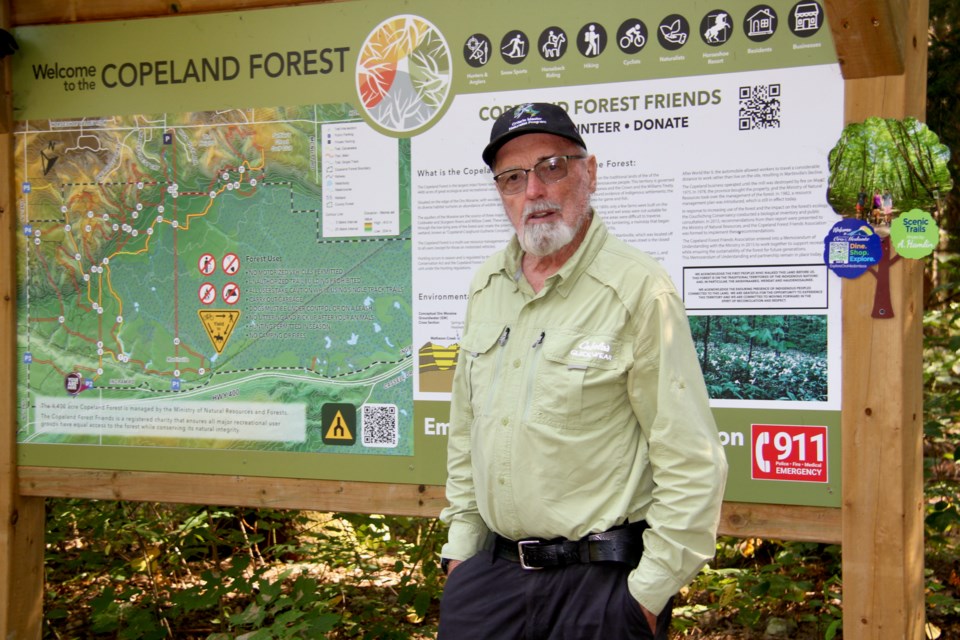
<point x="881" y="45"/>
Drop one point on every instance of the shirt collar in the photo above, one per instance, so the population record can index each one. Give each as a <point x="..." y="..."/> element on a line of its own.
<point x="570" y="272"/>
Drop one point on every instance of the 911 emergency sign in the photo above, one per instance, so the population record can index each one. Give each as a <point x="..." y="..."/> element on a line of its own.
<point x="795" y="453"/>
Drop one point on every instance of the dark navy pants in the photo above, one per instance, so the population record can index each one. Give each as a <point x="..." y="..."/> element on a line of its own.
<point x="488" y="598"/>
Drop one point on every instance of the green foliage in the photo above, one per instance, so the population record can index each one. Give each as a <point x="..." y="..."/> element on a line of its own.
<point x="942" y="332"/>
<point x="941" y="357"/>
<point x="763" y="357"/>
<point x="413" y="547"/>
<point x="174" y="571"/>
<point x="755" y="581"/>
<point x="943" y="101"/>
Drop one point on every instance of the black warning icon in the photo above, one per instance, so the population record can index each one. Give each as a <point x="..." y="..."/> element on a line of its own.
<point x="339" y="424"/>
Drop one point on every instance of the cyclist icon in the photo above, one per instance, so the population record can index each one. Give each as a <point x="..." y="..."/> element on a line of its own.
<point x="633" y="38"/>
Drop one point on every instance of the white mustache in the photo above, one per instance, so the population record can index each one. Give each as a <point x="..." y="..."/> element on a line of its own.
<point x="539" y="206"/>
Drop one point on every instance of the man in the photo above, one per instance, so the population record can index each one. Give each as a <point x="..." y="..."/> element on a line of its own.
<point x="585" y="469"/>
<point x="861" y="201"/>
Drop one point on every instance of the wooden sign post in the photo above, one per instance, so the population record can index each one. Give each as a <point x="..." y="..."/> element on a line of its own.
<point x="882" y="417"/>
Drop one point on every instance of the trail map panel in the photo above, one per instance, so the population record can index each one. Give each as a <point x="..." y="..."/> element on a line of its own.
<point x="181" y="287"/>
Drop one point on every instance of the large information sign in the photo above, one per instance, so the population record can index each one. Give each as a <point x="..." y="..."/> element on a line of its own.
<point x="246" y="238"/>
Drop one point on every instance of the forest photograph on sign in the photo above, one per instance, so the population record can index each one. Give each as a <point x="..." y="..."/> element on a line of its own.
<point x="775" y="357"/>
<point x="883" y="167"/>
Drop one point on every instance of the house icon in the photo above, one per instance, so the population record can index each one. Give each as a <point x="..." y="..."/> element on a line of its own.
<point x="807" y="17"/>
<point x="761" y="23"/>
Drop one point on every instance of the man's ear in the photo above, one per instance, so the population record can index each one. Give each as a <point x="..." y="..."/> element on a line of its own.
<point x="592" y="172"/>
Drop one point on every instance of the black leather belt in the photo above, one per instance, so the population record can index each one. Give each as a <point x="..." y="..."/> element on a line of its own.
<point x="622" y="544"/>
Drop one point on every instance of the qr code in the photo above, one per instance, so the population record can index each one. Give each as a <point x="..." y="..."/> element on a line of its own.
<point x="379" y="425"/>
<point x="760" y="107"/>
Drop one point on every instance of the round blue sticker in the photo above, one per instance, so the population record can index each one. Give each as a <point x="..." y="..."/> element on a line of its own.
<point x="851" y="247"/>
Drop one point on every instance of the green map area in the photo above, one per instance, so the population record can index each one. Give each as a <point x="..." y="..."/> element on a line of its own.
<point x="179" y="286"/>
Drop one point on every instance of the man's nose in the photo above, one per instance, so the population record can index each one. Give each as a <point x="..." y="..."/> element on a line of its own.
<point x="535" y="186"/>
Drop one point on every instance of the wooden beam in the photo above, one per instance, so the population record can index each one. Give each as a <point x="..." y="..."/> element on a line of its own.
<point x="27" y="12"/>
<point x="883" y="460"/>
<point x="779" y="522"/>
<point x="812" y="524"/>
<point x="21" y="569"/>
<point x="870" y="36"/>
<point x="21" y="519"/>
<point x="882" y="415"/>
<point x="246" y="491"/>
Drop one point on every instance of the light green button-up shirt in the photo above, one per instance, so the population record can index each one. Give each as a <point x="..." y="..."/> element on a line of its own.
<point x="581" y="407"/>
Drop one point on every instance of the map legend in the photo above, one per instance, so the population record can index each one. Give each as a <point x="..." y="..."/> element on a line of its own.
<point x="360" y="192"/>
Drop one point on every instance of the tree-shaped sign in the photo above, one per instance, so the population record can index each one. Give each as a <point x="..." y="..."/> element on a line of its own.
<point x="885" y="178"/>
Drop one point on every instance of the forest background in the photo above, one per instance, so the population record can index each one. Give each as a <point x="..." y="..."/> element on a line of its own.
<point x="149" y="570"/>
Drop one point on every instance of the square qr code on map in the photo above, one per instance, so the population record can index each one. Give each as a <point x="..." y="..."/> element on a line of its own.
<point x="379" y="425"/>
<point x="760" y="107"/>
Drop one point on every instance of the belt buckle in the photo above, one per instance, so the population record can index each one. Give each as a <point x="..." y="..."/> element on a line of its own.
<point x="523" y="563"/>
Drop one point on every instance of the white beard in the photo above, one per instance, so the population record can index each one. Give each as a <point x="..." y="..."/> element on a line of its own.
<point x="545" y="238"/>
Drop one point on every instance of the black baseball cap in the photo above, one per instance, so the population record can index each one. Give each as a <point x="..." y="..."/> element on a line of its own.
<point x="532" y="117"/>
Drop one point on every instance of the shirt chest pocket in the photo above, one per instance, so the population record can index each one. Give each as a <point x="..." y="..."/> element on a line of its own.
<point x="482" y="345"/>
<point x="580" y="380"/>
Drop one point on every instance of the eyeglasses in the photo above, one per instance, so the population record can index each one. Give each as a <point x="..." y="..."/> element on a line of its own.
<point x="548" y="170"/>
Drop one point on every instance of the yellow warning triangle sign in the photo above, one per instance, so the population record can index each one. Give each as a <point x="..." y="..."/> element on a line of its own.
<point x="219" y="325"/>
<point x="339" y="429"/>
